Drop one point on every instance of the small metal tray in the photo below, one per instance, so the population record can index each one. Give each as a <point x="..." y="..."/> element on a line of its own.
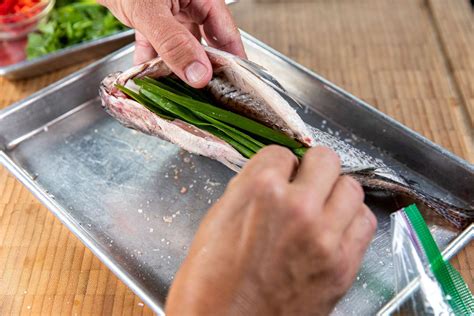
<point x="68" y="56"/>
<point x="136" y="201"/>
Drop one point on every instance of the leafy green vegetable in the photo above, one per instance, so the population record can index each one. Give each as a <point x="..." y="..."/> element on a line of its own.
<point x="246" y="147"/>
<point x="222" y="115"/>
<point x="70" y="23"/>
<point x="161" y="97"/>
<point x="145" y="102"/>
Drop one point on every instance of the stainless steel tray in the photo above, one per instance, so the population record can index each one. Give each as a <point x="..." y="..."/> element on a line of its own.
<point x="68" y="56"/>
<point x="121" y="192"/>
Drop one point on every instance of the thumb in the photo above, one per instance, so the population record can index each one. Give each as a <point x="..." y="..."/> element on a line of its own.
<point x="143" y="49"/>
<point x="180" y="50"/>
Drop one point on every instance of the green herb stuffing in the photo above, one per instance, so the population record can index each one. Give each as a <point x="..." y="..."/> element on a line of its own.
<point x="70" y="23"/>
<point x="172" y="98"/>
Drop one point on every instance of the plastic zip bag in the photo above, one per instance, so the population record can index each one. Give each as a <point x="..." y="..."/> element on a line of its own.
<point x="415" y="254"/>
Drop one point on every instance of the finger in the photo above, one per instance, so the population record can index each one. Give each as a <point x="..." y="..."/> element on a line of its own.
<point x="357" y="237"/>
<point x="193" y="28"/>
<point x="189" y="24"/>
<point x="179" y="49"/>
<point x="143" y="49"/>
<point x="118" y="10"/>
<point x="343" y="204"/>
<point x="218" y="25"/>
<point x="278" y="159"/>
<point x="318" y="172"/>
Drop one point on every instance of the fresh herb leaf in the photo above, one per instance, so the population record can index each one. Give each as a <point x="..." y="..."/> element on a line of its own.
<point x="70" y="23"/>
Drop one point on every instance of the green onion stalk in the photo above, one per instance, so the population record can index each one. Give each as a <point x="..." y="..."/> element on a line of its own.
<point x="171" y="99"/>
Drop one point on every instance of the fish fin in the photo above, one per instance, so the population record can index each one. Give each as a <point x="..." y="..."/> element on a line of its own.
<point x="261" y="73"/>
<point x="358" y="169"/>
<point x="382" y="172"/>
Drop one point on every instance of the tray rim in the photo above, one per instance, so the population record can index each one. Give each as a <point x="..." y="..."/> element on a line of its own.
<point x="10" y="70"/>
<point x="452" y="249"/>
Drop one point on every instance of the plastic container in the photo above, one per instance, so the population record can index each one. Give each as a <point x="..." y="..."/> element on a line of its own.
<point x="17" y="26"/>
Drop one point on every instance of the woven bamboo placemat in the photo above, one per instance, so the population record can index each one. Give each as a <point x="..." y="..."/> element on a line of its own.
<point x="411" y="59"/>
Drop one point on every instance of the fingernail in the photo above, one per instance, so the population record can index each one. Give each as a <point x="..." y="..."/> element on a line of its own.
<point x="195" y="72"/>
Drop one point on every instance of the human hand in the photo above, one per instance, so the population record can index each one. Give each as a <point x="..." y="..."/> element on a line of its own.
<point x="282" y="240"/>
<point x="172" y="28"/>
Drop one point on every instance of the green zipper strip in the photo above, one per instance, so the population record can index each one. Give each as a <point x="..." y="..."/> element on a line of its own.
<point x="452" y="284"/>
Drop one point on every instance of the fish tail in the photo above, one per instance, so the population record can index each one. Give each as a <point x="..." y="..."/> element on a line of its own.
<point x="458" y="216"/>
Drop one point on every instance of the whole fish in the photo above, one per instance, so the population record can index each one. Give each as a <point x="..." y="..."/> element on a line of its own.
<point x="246" y="88"/>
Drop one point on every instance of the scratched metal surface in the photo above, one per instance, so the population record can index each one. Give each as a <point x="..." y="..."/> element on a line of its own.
<point x="137" y="201"/>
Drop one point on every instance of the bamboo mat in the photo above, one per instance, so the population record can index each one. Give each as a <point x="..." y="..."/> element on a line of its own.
<point x="411" y="59"/>
<point x="454" y="21"/>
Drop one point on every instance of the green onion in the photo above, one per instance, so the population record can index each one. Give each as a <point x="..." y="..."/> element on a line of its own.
<point x="177" y="88"/>
<point x="189" y="117"/>
<point x="247" y="153"/>
<point x="300" y="151"/>
<point x="160" y="104"/>
<point x="172" y="99"/>
<point x="171" y="107"/>
<point x="222" y="115"/>
<point x="143" y="101"/>
<point x="164" y="86"/>
<point x="243" y="138"/>
<point x="197" y="94"/>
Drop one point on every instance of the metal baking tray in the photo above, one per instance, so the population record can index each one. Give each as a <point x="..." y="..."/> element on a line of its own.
<point x="68" y="56"/>
<point x="136" y="201"/>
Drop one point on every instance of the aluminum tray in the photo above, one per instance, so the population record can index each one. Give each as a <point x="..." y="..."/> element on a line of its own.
<point x="121" y="192"/>
<point x="68" y="56"/>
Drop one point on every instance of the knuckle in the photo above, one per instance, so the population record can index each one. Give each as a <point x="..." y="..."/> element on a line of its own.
<point x="142" y="42"/>
<point x="324" y="246"/>
<point x="184" y="4"/>
<point x="299" y="212"/>
<point x="131" y="10"/>
<point x="327" y="154"/>
<point x="371" y="219"/>
<point x="266" y="181"/>
<point x="277" y="151"/>
<point x="342" y="276"/>
<point x="179" y="46"/>
<point x="351" y="185"/>
<point x="174" y="6"/>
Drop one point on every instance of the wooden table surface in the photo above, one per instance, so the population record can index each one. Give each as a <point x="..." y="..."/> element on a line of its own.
<point x="412" y="59"/>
